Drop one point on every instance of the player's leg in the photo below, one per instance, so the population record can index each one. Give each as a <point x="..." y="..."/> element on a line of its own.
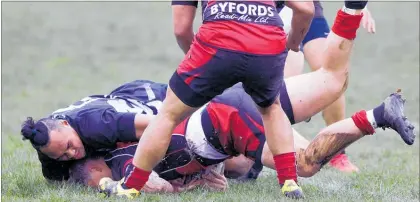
<point x="316" y="38"/>
<point x="336" y="137"/>
<point x="155" y="141"/>
<point x="294" y="64"/>
<point x="263" y="82"/>
<point x="203" y="74"/>
<point x="328" y="83"/>
<point x="332" y="78"/>
<point x="335" y="111"/>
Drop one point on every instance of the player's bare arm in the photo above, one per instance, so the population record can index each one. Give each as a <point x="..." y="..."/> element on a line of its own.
<point x="140" y="122"/>
<point x="183" y="18"/>
<point x="303" y="12"/>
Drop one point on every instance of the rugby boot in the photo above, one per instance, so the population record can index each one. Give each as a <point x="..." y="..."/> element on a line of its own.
<point x="342" y="163"/>
<point x="292" y="190"/>
<point x="108" y="187"/>
<point x="395" y="119"/>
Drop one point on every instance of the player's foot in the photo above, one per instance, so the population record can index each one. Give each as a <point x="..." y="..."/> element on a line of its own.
<point x="342" y="163"/>
<point x="114" y="188"/>
<point x="395" y="118"/>
<point x="292" y="190"/>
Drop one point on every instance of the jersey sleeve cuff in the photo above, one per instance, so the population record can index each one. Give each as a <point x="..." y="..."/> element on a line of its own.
<point x="127" y="128"/>
<point x="185" y="3"/>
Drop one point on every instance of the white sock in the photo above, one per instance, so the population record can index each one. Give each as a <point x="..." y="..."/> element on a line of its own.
<point x="371" y="119"/>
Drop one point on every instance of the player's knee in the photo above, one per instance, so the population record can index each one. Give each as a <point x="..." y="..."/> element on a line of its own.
<point x="339" y="82"/>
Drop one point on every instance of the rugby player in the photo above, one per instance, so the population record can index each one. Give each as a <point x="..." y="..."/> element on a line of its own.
<point x="104" y="170"/>
<point x="229" y="125"/>
<point x="95" y="123"/>
<point x="239" y="41"/>
<point x="310" y="50"/>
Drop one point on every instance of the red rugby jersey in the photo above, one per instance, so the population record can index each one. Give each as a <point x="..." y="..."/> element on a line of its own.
<point x="246" y="26"/>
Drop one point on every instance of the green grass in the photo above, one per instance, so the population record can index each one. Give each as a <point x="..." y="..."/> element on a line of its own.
<point x="55" y="53"/>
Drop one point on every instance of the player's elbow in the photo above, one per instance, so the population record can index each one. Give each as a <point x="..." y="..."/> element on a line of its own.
<point x="182" y="32"/>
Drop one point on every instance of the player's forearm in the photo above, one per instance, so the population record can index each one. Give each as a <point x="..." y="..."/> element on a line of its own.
<point x="301" y="21"/>
<point x="183" y="18"/>
<point x="184" y="40"/>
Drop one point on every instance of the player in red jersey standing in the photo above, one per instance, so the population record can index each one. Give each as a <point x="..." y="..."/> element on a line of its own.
<point x="239" y="41"/>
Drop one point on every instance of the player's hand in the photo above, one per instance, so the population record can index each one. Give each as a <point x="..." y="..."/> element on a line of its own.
<point x="179" y="185"/>
<point x="215" y="181"/>
<point x="108" y="187"/>
<point x="155" y="184"/>
<point x="368" y="22"/>
<point x="292" y="46"/>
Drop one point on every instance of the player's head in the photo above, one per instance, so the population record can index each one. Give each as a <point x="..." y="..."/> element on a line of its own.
<point x="89" y="171"/>
<point x="53" y="137"/>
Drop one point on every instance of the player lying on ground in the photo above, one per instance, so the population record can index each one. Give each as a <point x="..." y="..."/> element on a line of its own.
<point x="105" y="169"/>
<point x="312" y="50"/>
<point x="194" y="147"/>
<point x="95" y="123"/>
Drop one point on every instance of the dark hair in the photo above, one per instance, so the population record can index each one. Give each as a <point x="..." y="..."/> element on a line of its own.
<point x="79" y="172"/>
<point x="37" y="132"/>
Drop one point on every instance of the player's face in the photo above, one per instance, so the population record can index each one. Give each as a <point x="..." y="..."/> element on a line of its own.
<point x="97" y="170"/>
<point x="64" y="144"/>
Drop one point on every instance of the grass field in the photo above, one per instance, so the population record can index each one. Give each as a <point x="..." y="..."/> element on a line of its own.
<point x="54" y="53"/>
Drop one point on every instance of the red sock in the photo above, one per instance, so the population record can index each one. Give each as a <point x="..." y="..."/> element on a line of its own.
<point x="362" y="122"/>
<point x="135" y="177"/>
<point x="286" y="167"/>
<point x="346" y="25"/>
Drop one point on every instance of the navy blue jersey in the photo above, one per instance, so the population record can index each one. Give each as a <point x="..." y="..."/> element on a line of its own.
<point x="103" y="120"/>
<point x="177" y="156"/>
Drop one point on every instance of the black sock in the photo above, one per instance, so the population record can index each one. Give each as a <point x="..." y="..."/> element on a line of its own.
<point x="378" y="114"/>
<point x="355" y="4"/>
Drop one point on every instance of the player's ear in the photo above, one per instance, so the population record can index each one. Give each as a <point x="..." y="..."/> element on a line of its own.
<point x="64" y="122"/>
<point x="95" y="168"/>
